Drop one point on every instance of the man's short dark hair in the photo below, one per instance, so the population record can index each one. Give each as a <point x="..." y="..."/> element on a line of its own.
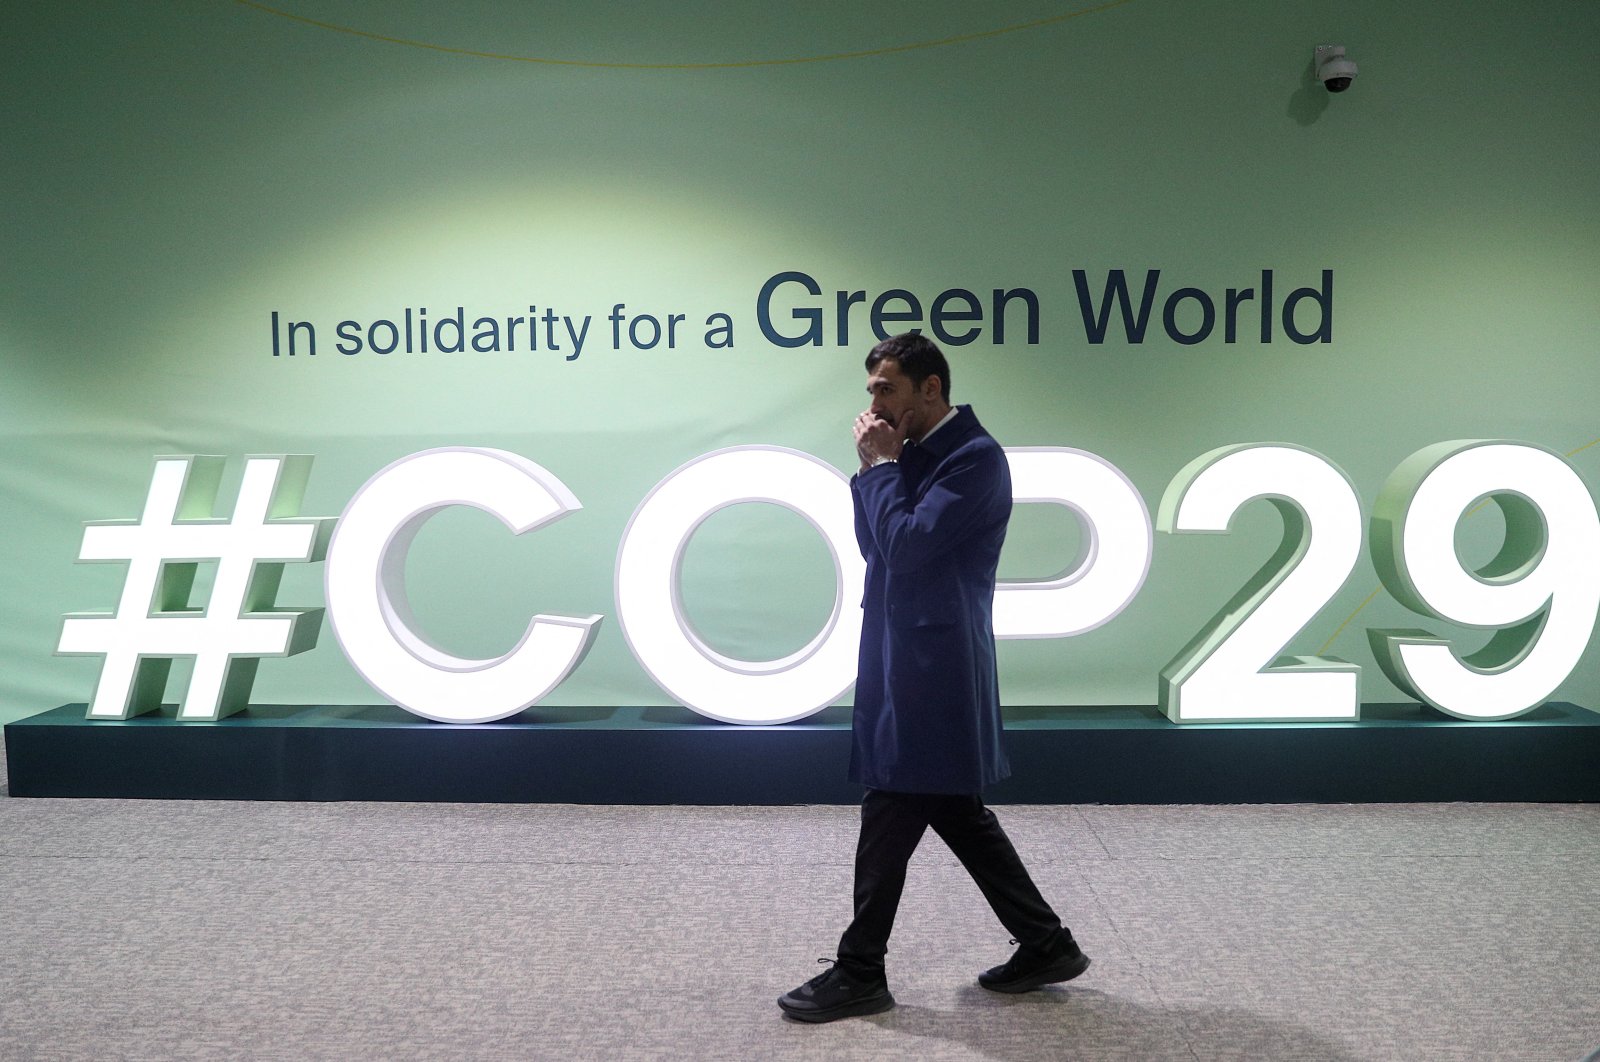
<point x="917" y="357"/>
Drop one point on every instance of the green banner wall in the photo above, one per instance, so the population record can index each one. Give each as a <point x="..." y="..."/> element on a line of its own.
<point x="176" y="174"/>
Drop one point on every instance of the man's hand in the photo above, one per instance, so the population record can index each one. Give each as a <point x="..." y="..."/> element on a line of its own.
<point x="878" y="440"/>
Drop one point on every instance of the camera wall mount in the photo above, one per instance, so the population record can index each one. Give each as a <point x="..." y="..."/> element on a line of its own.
<point x="1333" y="69"/>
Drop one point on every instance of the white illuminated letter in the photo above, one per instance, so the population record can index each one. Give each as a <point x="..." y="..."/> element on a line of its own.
<point x="240" y="623"/>
<point x="650" y="608"/>
<point x="1223" y="673"/>
<point x="1114" y="559"/>
<point x="366" y="591"/>
<point x="1539" y="594"/>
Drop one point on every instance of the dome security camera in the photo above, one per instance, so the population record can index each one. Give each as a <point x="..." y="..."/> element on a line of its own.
<point x="1333" y="69"/>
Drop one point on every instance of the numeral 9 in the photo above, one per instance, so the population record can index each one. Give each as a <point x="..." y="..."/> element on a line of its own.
<point x="1539" y="594"/>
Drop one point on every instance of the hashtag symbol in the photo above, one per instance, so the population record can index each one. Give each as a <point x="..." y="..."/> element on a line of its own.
<point x="155" y="622"/>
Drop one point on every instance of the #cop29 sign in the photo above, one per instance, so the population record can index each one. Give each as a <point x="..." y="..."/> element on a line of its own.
<point x="1539" y="594"/>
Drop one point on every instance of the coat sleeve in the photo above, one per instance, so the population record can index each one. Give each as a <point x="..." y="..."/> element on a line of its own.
<point x="962" y="497"/>
<point x="863" y="526"/>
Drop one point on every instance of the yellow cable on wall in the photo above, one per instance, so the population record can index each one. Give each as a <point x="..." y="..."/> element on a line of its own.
<point x="889" y="50"/>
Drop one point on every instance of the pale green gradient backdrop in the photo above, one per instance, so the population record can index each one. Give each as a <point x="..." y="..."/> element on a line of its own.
<point x="173" y="173"/>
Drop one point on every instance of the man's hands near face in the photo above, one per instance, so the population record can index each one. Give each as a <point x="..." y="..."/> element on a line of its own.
<point x="878" y="440"/>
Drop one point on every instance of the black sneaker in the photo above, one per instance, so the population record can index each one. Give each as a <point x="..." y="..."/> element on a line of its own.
<point x="1029" y="968"/>
<point x="835" y="993"/>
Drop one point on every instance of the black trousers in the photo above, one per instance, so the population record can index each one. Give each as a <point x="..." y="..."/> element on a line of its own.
<point x="891" y="826"/>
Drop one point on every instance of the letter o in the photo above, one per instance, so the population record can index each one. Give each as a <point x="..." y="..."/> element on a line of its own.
<point x="650" y="605"/>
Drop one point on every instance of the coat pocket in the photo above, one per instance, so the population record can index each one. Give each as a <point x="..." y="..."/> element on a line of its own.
<point x="931" y="605"/>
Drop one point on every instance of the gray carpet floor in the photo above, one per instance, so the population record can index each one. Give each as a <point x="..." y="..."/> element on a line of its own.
<point x="223" y="930"/>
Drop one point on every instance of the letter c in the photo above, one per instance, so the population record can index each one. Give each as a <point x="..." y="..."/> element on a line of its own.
<point x="364" y="583"/>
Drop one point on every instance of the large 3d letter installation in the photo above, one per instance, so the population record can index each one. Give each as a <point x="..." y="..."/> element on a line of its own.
<point x="1539" y="595"/>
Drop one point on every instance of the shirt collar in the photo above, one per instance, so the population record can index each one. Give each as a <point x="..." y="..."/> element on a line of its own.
<point x="946" y="419"/>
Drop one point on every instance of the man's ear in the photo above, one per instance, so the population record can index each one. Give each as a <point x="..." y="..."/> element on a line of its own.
<point x="931" y="385"/>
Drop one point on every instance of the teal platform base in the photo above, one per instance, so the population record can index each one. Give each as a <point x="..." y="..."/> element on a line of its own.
<point x="1108" y="755"/>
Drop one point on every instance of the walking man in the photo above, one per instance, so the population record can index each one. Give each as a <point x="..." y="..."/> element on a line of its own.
<point x="932" y="499"/>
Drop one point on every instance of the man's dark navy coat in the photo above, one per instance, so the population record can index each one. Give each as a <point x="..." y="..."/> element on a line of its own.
<point x="927" y="710"/>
